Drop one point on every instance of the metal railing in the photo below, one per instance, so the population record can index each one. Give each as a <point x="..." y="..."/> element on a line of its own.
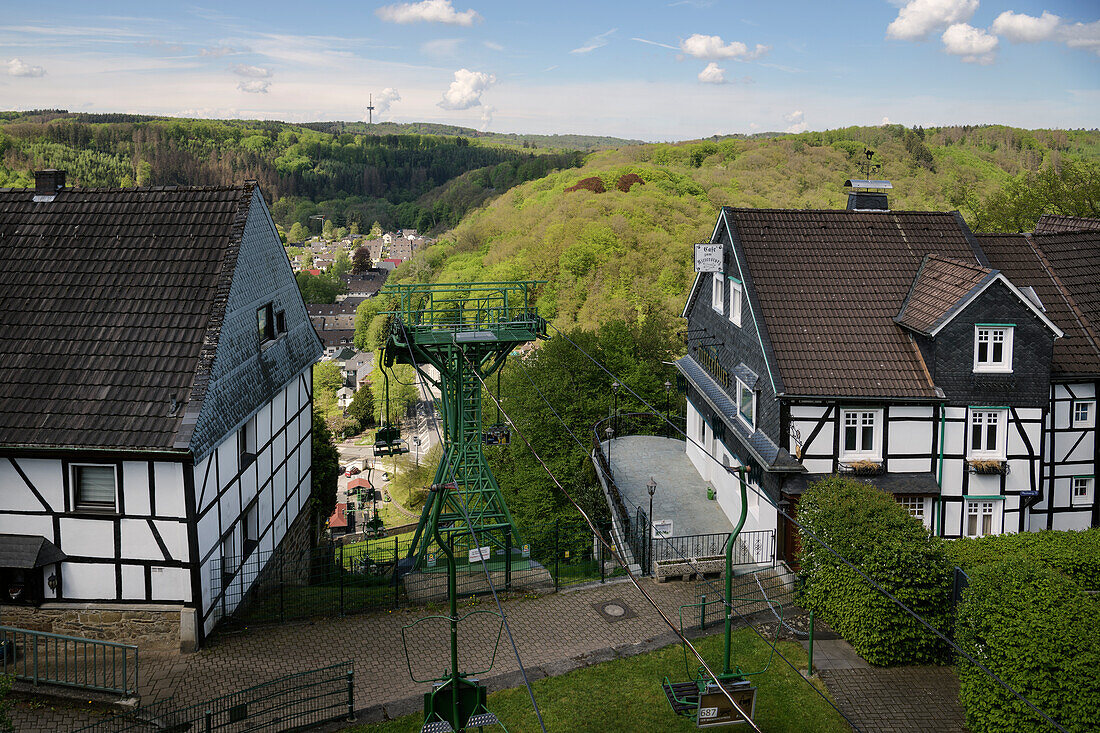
<point x="294" y="702"/>
<point x="39" y="657"/>
<point x="753" y="548"/>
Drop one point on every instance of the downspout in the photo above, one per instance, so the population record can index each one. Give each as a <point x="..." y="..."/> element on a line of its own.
<point x="729" y="562"/>
<point x="939" y="477"/>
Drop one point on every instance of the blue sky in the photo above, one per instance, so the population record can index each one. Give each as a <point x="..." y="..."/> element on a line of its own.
<point x="651" y="70"/>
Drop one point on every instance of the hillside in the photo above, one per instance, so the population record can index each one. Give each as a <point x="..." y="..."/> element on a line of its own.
<point x="624" y="255"/>
<point x="399" y="180"/>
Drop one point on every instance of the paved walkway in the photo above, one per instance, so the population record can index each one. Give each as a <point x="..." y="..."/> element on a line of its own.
<point x="899" y="699"/>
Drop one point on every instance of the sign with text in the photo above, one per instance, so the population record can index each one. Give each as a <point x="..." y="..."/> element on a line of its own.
<point x="708" y="257"/>
<point x="715" y="709"/>
<point x="480" y="554"/>
<point x="527" y="550"/>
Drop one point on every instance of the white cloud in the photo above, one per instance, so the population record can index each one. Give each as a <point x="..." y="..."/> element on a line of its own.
<point x="487" y="116"/>
<point x="1022" y="28"/>
<point x="217" y="51"/>
<point x="492" y="46"/>
<point x="254" y="72"/>
<point x="466" y="90"/>
<point x="441" y="47"/>
<point x="19" y="67"/>
<point x="428" y="11"/>
<point x="712" y="47"/>
<point x="918" y="18"/>
<point x="656" y="43"/>
<point x="974" y="45"/>
<point x="594" y="42"/>
<point x="385" y="99"/>
<point x="713" y="74"/>
<point x="797" y="121"/>
<point x="254" y="86"/>
<point x="1082" y="35"/>
<point x="886" y="120"/>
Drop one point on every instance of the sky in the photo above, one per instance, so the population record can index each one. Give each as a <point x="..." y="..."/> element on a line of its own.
<point x="656" y="71"/>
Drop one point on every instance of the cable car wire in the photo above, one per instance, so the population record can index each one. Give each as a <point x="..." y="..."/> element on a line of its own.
<point x="810" y="533"/>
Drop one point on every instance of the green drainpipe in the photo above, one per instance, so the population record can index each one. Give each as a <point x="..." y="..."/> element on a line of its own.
<point x="729" y="561"/>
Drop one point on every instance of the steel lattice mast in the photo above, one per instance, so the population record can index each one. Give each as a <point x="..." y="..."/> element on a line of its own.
<point x="465" y="331"/>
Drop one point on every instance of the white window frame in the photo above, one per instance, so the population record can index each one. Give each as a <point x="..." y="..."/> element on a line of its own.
<point x="1078" y="483"/>
<point x="1088" y="420"/>
<point x="717" y="294"/>
<point x="735" y="302"/>
<point x="741" y="386"/>
<point x="84" y="506"/>
<point x="980" y="509"/>
<point x="915" y="505"/>
<point x="874" y="452"/>
<point x="981" y="415"/>
<point x="988" y="333"/>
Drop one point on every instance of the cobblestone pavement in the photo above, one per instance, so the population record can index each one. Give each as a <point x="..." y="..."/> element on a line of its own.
<point x="898" y="700"/>
<point x="554" y="634"/>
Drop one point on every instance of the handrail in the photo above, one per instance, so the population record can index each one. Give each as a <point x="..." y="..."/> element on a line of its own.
<point x="40" y="657"/>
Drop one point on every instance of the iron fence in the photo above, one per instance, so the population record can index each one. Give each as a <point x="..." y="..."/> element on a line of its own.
<point x="43" y="658"/>
<point x="290" y="703"/>
<point x="338" y="578"/>
<point x="752" y="548"/>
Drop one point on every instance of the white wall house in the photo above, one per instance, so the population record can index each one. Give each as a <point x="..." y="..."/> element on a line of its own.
<point x="155" y="401"/>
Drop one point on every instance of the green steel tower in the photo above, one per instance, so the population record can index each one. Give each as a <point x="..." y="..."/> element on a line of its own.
<point x="456" y="335"/>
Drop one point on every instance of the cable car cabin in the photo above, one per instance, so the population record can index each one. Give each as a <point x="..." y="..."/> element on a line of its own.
<point x="705" y="701"/>
<point x="499" y="434"/>
<point x="387" y="442"/>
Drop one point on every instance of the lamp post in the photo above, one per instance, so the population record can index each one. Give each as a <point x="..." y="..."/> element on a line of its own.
<point x="668" y="414"/>
<point x="651" y="487"/>
<point x="615" y="397"/>
<point x="610" y="434"/>
<point x="416" y="442"/>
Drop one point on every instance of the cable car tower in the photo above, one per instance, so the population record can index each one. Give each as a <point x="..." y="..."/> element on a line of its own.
<point x="464" y="331"/>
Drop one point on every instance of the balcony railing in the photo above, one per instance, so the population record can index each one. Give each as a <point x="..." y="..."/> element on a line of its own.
<point x="42" y="658"/>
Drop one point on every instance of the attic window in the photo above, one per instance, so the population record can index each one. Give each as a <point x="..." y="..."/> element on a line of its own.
<point x="265" y="321"/>
<point x="716" y="294"/>
<point x="280" y="322"/>
<point x="993" y="347"/>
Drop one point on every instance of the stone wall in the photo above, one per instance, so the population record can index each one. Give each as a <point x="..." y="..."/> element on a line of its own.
<point x="150" y="627"/>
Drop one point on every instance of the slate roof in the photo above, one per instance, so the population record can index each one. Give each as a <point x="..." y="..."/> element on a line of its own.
<point x="107" y="297"/>
<point x="1053" y="223"/>
<point x="1064" y="270"/>
<point x="941" y="287"/>
<point x="829" y="284"/>
<point x="28" y="551"/>
<point x="920" y="484"/>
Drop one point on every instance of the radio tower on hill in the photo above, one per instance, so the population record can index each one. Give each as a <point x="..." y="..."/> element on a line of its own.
<point x="370" y="109"/>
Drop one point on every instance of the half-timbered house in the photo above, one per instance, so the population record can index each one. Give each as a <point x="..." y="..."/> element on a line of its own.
<point x="886" y="345"/>
<point x="155" y="422"/>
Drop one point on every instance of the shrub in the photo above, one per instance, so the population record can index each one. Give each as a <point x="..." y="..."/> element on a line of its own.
<point x="1036" y="630"/>
<point x="593" y="184"/>
<point x="626" y="181"/>
<point x="1076" y="554"/>
<point x="867" y="526"/>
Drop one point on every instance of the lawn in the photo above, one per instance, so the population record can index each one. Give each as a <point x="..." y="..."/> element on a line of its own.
<point x="625" y="695"/>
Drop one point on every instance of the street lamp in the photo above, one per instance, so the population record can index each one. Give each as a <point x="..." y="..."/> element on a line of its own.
<point x="416" y="442"/>
<point x="668" y="414"/>
<point x="610" y="434"/>
<point x="651" y="487"/>
<point x="615" y="396"/>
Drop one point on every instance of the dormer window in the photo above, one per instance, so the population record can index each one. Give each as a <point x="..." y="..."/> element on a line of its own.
<point x="735" y="302"/>
<point x="746" y="404"/>
<point x="265" y="322"/>
<point x="993" y="347"/>
<point x="716" y="294"/>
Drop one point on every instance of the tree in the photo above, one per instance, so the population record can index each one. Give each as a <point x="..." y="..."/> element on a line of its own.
<point x="324" y="470"/>
<point x="375" y="230"/>
<point x="361" y="261"/>
<point x="353" y="229"/>
<point x="307" y="260"/>
<point x="341" y="265"/>
<point x="362" y="407"/>
<point x="298" y="233"/>
<point x="328" y="229"/>
<point x="327" y="378"/>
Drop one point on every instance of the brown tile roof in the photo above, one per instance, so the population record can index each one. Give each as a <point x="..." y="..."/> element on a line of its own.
<point x="829" y="284"/>
<point x="1064" y="270"/>
<point x="939" y="289"/>
<point x="107" y="297"/>
<point x="1053" y="223"/>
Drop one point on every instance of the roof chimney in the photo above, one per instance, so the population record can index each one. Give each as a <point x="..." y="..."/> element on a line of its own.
<point x="868" y="194"/>
<point x="48" y="182"/>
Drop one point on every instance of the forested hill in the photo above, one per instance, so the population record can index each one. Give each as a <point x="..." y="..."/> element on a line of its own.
<point x="399" y="180"/>
<point x="586" y="143"/>
<point x="627" y="255"/>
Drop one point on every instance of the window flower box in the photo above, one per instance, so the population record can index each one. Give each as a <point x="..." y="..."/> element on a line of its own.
<point x="988" y="467"/>
<point x="862" y="467"/>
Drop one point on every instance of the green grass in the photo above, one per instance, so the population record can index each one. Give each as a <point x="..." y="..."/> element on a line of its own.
<point x="625" y="695"/>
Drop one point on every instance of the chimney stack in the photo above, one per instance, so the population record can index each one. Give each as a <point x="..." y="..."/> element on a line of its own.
<point x="48" y="182"/>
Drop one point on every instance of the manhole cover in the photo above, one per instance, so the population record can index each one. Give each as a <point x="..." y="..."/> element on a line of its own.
<point x="613" y="610"/>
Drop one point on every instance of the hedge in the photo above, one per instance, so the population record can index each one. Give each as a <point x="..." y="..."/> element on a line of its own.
<point x="1038" y="631"/>
<point x="1076" y="554"/>
<point x="867" y="526"/>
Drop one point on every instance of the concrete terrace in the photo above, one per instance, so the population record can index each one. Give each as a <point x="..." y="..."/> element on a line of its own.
<point x="681" y="494"/>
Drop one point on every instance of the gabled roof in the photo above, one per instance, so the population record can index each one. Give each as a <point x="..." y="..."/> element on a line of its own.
<point x="1053" y="223"/>
<point x="940" y="289"/>
<point x="829" y="284"/>
<point x="1064" y="270"/>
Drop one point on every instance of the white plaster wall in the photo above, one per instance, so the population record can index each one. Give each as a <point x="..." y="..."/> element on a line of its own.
<point x="138" y="540"/>
<point x="133" y="581"/>
<point x="90" y="538"/>
<point x="135" y="486"/>
<point x="170" y="583"/>
<point x="16" y="495"/>
<point x="89" y="580"/>
<point x="45" y="474"/>
<point x="169" y="489"/>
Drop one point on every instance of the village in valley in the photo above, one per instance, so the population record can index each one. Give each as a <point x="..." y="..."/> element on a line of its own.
<point x="364" y="417"/>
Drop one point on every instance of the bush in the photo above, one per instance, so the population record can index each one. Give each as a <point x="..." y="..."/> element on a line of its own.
<point x="1036" y="630"/>
<point x="867" y="526"/>
<point x="593" y="184"/>
<point x="1076" y="554"/>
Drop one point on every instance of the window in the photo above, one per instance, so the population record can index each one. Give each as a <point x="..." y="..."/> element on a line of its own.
<point x="716" y="294"/>
<point x="979" y="518"/>
<point x="1084" y="414"/>
<point x="1082" y="490"/>
<point x="251" y="525"/>
<point x="992" y="348"/>
<point x="280" y="322"/>
<point x="735" y="302"/>
<point x="265" y="322"/>
<point x="746" y="404"/>
<point x="860" y="437"/>
<point x="94" y="487"/>
<point x="914" y="505"/>
<point x="246" y="442"/>
<point x="987" y="434"/>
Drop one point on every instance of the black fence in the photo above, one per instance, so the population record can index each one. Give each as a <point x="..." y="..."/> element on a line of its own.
<point x="294" y="702"/>
<point x="752" y="548"/>
<point x="339" y="578"/>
